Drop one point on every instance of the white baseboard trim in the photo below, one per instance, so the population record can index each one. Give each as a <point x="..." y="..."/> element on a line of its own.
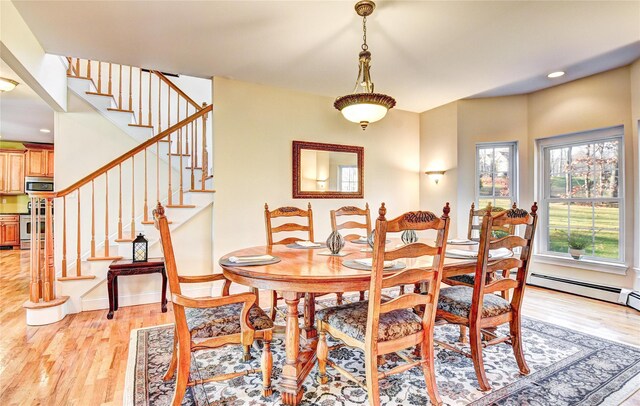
<point x="600" y="292"/>
<point x="141" y="298"/>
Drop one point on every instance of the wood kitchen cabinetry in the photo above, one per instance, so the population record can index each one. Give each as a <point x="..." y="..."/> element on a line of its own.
<point x="12" y="172"/>
<point x="10" y="230"/>
<point x="39" y="163"/>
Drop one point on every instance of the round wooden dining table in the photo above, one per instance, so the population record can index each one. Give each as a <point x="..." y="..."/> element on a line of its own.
<point x="307" y="271"/>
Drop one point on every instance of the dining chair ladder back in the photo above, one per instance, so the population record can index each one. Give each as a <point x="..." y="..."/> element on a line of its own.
<point x="381" y="326"/>
<point x="352" y="224"/>
<point x="476" y="307"/>
<point x="198" y="319"/>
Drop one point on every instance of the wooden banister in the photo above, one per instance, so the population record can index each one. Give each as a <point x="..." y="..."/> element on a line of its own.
<point x="42" y="286"/>
<point x="132" y="152"/>
<point x="177" y="89"/>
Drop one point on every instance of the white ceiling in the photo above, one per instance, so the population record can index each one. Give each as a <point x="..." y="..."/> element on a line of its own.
<point x="23" y="113"/>
<point x="425" y="53"/>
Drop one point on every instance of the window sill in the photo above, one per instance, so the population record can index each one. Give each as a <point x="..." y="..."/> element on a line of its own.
<point x="588" y="264"/>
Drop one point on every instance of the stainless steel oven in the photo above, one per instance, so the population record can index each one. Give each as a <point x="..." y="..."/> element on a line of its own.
<point x="26" y="227"/>
<point x="37" y="184"/>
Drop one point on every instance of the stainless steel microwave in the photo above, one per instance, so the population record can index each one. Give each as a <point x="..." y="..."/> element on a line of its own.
<point x="36" y="184"/>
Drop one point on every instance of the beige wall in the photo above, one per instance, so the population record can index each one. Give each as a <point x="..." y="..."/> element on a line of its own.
<point x="598" y="101"/>
<point x="635" y="121"/>
<point x="594" y="102"/>
<point x="438" y="151"/>
<point x="254" y="126"/>
<point x="479" y="121"/>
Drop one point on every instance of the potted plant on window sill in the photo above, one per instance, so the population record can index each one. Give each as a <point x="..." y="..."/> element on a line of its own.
<point x="577" y="243"/>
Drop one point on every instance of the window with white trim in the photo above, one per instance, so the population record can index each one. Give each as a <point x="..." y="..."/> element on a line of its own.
<point x="496" y="167"/>
<point x="582" y="194"/>
<point x="348" y="178"/>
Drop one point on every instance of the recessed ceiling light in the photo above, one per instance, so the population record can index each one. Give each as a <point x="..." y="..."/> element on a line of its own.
<point x="555" y="74"/>
<point x="7" y="85"/>
<point x="44" y="130"/>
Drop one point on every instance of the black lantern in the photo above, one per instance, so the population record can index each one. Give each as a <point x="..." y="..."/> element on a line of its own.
<point x="140" y="249"/>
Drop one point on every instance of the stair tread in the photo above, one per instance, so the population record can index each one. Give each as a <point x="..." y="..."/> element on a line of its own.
<point x="78" y="77"/>
<point x="123" y="240"/>
<point x="109" y="258"/>
<point x="172" y="154"/>
<point x="75" y="278"/>
<point x="100" y="94"/>
<point x="201" y="191"/>
<point x="141" y="125"/>
<point x="120" y="110"/>
<point x="180" y="206"/>
<point x="152" y="222"/>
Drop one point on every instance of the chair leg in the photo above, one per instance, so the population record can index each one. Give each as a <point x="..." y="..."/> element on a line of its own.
<point x="246" y="353"/>
<point x="184" y="364"/>
<point x="475" y="341"/>
<point x="373" y="384"/>
<point x="339" y="298"/>
<point x="463" y="334"/>
<point x="274" y="304"/>
<point x="516" y="338"/>
<point x="322" y="352"/>
<point x="267" y="367"/>
<point x="174" y="358"/>
<point x="361" y="298"/>
<point x="428" y="368"/>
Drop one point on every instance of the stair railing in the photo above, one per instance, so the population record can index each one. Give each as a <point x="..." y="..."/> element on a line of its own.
<point x="152" y="99"/>
<point x="148" y="158"/>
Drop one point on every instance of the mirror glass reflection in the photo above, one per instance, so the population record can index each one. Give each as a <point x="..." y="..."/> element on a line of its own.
<point x="328" y="171"/>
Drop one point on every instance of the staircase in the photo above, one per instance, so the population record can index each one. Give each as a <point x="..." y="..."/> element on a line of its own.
<point x="98" y="216"/>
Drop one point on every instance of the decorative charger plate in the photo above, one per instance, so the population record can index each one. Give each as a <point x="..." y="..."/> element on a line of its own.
<point x="467" y="242"/>
<point x="356" y="265"/>
<point x="362" y="242"/>
<point x="301" y="247"/>
<point x="226" y="262"/>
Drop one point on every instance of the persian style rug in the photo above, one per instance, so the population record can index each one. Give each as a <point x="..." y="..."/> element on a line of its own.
<point x="567" y="368"/>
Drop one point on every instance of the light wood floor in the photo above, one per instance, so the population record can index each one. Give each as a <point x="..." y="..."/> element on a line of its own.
<point x="82" y="359"/>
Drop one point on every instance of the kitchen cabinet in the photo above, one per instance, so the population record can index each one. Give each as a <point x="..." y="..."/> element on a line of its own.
<point x="10" y="230"/>
<point x="39" y="163"/>
<point x="11" y="172"/>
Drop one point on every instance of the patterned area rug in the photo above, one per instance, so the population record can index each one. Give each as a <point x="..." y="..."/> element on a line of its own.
<point x="567" y="368"/>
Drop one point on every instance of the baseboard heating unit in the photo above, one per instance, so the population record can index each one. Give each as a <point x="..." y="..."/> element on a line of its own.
<point x="591" y="290"/>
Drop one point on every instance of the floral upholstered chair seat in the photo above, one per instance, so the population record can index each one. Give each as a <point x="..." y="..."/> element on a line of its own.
<point x="457" y="300"/>
<point x="223" y="320"/>
<point x="470" y="278"/>
<point x="351" y="319"/>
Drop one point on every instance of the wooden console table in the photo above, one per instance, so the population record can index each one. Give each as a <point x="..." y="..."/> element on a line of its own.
<point x="125" y="267"/>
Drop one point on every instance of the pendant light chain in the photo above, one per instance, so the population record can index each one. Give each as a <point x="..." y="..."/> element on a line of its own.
<point x="365" y="106"/>
<point x="364" y="33"/>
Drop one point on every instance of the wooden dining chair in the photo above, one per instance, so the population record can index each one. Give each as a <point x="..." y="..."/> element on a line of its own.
<point x="211" y="322"/>
<point x="307" y="229"/>
<point x="288" y="227"/>
<point x="351" y="224"/>
<point x="365" y="226"/>
<point x="496" y="232"/>
<point x="475" y="221"/>
<point x="380" y="326"/>
<point x="481" y="311"/>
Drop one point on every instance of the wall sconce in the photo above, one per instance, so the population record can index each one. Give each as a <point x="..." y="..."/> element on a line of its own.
<point x="435" y="175"/>
<point x="322" y="184"/>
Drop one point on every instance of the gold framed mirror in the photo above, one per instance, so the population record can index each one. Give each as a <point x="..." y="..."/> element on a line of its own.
<point x="327" y="171"/>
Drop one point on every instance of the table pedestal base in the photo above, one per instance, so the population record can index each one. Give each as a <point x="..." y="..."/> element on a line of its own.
<point x="299" y="361"/>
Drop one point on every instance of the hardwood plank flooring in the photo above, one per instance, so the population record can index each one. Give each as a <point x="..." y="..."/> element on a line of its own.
<point x="82" y="359"/>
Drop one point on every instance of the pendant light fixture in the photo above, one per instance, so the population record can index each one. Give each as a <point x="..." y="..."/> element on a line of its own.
<point x="364" y="106"/>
